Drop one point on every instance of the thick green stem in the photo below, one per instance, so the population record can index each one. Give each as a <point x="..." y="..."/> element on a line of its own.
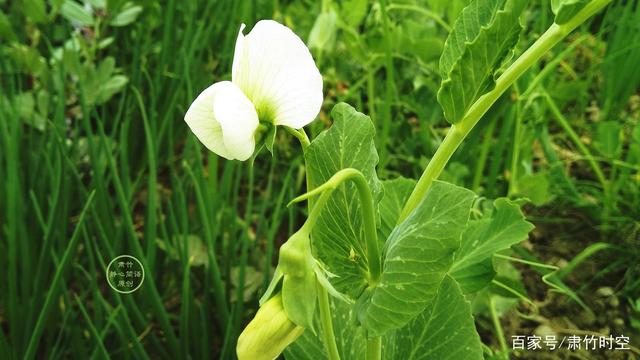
<point x="326" y="322"/>
<point x="459" y="131"/>
<point x="369" y="221"/>
<point x="374" y="348"/>
<point x="317" y="209"/>
<point x="328" y="334"/>
<point x="301" y="135"/>
<point x="368" y="214"/>
<point x="454" y="137"/>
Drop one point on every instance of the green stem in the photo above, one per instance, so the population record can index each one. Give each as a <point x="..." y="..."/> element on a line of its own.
<point x="315" y="212"/>
<point x="371" y="238"/>
<point x="301" y="135"/>
<point x="368" y="214"/>
<point x="459" y="131"/>
<point x="374" y="348"/>
<point x="454" y="138"/>
<point x="369" y="221"/>
<point x="326" y="322"/>
<point x="499" y="333"/>
<point x="328" y="335"/>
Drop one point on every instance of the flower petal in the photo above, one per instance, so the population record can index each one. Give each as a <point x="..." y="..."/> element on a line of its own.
<point x="238" y="118"/>
<point x="268" y="334"/>
<point x="276" y="71"/>
<point x="224" y="120"/>
<point x="204" y="125"/>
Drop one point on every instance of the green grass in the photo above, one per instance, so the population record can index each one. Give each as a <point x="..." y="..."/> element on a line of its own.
<point x="84" y="180"/>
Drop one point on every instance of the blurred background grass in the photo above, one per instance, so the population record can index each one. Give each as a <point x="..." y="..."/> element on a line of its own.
<point x="96" y="161"/>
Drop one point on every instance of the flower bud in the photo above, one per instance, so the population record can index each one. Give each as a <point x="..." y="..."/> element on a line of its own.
<point x="268" y="334"/>
<point x="295" y="254"/>
<point x="299" y="286"/>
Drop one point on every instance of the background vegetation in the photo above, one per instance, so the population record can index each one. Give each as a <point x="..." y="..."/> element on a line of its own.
<point x="96" y="161"/>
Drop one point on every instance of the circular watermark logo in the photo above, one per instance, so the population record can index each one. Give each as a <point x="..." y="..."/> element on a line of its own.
<point x="125" y="274"/>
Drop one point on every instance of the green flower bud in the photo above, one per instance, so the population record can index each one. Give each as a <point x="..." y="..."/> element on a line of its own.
<point x="295" y="254"/>
<point x="299" y="286"/>
<point x="268" y="334"/>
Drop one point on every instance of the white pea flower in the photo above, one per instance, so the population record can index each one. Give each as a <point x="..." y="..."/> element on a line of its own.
<point x="274" y="81"/>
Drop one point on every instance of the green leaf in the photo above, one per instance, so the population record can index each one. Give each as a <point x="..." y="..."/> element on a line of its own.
<point x="25" y="107"/>
<point x="6" y="31"/>
<point x="100" y="4"/>
<point x="36" y="10"/>
<point x="566" y="9"/>
<point x="28" y="59"/>
<point x="127" y="15"/>
<point x="323" y="33"/>
<point x="338" y="233"/>
<point x="105" y="42"/>
<point x="476" y="277"/>
<point x="105" y="69"/>
<point x="482" y="239"/>
<point x="354" y="11"/>
<point x="535" y="187"/>
<point x="111" y="87"/>
<point x="482" y="38"/>
<point x="396" y="192"/>
<point x="607" y="139"/>
<point x="196" y="249"/>
<point x="251" y="283"/>
<point x="418" y="254"/>
<point x="270" y="138"/>
<point x="444" y="330"/>
<point x="74" y="12"/>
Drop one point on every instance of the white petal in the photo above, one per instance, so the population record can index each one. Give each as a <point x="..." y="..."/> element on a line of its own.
<point x="205" y="127"/>
<point x="276" y="71"/>
<point x="238" y="118"/>
<point x="224" y="120"/>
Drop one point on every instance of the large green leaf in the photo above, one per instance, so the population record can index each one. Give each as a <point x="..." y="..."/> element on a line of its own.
<point x="338" y="239"/>
<point x="482" y="37"/>
<point x="476" y="277"/>
<point x="418" y="254"/>
<point x="395" y="194"/>
<point x="566" y="9"/>
<point x="444" y="330"/>
<point x="472" y="266"/>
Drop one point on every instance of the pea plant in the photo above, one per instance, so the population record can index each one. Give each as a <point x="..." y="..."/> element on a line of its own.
<point x="379" y="269"/>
